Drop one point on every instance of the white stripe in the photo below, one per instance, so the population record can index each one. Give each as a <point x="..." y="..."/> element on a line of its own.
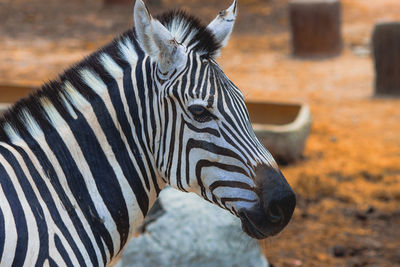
<point x="117" y="73"/>
<point x="10" y="235"/>
<point x="127" y="191"/>
<point x="68" y="106"/>
<point x="140" y="115"/>
<point x="94" y="81"/>
<point x="129" y="54"/>
<point x="31" y="224"/>
<point x="48" y="219"/>
<point x="55" y="255"/>
<point x="128" y="51"/>
<point x="111" y="67"/>
<point x="52" y="227"/>
<point x="76" y="153"/>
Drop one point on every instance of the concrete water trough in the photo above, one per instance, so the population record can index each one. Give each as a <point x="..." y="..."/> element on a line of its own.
<point x="282" y="127"/>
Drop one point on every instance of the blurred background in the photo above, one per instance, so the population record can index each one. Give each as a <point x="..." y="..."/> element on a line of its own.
<point x="348" y="179"/>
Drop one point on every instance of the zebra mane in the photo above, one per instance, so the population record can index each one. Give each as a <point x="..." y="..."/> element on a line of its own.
<point x="186" y="29"/>
<point x="53" y="91"/>
<point x="189" y="31"/>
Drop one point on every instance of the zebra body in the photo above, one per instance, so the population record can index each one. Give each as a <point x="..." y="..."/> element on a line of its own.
<point x="83" y="159"/>
<point x="71" y="171"/>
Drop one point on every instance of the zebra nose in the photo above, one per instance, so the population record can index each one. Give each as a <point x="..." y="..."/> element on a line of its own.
<point x="275" y="208"/>
<point x="278" y="198"/>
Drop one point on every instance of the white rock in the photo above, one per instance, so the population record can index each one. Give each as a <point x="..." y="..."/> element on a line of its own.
<point x="192" y="232"/>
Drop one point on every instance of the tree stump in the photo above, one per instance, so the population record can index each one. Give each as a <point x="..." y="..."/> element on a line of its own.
<point x="315" y="27"/>
<point x="118" y="2"/>
<point x="155" y="3"/>
<point x="386" y="53"/>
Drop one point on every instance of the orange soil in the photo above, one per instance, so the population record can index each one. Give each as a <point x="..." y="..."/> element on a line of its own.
<point x="348" y="183"/>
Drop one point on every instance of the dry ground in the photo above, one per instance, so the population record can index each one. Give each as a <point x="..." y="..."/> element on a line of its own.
<point x="348" y="183"/>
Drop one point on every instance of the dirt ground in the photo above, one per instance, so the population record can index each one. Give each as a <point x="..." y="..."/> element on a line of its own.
<point x="348" y="183"/>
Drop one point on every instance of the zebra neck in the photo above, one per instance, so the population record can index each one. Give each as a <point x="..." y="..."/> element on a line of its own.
<point x="89" y="136"/>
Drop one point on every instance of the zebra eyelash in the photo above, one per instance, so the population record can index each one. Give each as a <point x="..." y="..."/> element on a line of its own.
<point x="201" y="113"/>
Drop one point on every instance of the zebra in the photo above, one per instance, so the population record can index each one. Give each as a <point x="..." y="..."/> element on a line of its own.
<point x="83" y="158"/>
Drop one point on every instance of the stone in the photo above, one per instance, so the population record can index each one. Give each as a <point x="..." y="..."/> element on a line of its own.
<point x="315" y="27"/>
<point x="338" y="251"/>
<point x="184" y="230"/>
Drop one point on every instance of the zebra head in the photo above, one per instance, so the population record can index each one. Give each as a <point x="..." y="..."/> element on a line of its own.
<point x="204" y="142"/>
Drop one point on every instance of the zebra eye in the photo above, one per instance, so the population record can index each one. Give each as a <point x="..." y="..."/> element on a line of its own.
<point x="201" y="114"/>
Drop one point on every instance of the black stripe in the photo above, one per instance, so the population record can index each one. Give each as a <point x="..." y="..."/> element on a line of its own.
<point x="103" y="174"/>
<point x="241" y="131"/>
<point x="18" y="215"/>
<point x="179" y="85"/>
<point x="243" y="119"/>
<point x="148" y="94"/>
<point x="201" y="88"/>
<point x="206" y="163"/>
<point x="231" y="123"/>
<point x="52" y="263"/>
<point x="2" y="233"/>
<point x="192" y="77"/>
<point x="33" y="203"/>
<point x="215" y="201"/>
<point x="106" y="179"/>
<point x="180" y="152"/>
<point x="129" y="170"/>
<point x="232" y="143"/>
<point x="167" y="121"/>
<point x="63" y="252"/>
<point x="172" y="151"/>
<point x="207" y="130"/>
<point x="46" y="196"/>
<point x="151" y="107"/>
<point x="134" y="111"/>
<point x="77" y="186"/>
<point x="212" y="80"/>
<point x="248" y="154"/>
<point x="211" y="147"/>
<point x="114" y="92"/>
<point x="177" y="89"/>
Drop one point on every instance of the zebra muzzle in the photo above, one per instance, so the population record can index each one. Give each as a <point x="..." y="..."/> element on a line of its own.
<point x="275" y="208"/>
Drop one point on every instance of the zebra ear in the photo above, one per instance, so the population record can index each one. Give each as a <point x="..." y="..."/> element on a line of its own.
<point x="155" y="39"/>
<point x="142" y="20"/>
<point x="222" y="25"/>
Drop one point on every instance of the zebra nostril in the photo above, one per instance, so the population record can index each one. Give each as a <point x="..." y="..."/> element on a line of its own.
<point x="275" y="214"/>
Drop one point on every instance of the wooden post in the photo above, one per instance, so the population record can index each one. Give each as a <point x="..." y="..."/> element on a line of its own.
<point x="386" y="53"/>
<point x="315" y="27"/>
